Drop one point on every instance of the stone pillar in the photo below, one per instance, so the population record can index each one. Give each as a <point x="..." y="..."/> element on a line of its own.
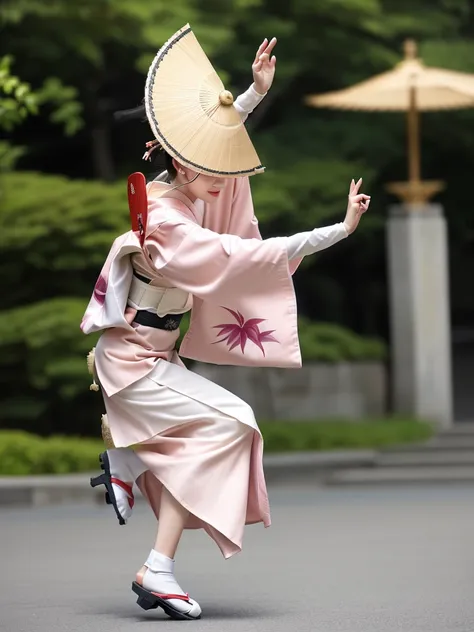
<point x="420" y="312"/>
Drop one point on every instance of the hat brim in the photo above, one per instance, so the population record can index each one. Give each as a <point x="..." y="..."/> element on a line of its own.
<point x="189" y="115"/>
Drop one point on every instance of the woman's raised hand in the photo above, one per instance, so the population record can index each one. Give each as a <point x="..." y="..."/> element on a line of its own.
<point x="357" y="205"/>
<point x="263" y="67"/>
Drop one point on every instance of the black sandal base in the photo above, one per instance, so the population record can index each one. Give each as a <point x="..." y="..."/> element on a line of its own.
<point x="105" y="479"/>
<point x="148" y="601"/>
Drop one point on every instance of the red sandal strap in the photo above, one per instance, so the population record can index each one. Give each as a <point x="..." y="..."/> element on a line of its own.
<point x="180" y="597"/>
<point x="127" y="488"/>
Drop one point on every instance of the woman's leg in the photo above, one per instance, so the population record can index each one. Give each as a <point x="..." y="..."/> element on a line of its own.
<point x="173" y="517"/>
<point x="157" y="575"/>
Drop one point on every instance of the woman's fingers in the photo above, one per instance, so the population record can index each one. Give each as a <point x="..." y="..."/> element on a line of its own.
<point x="364" y="206"/>
<point x="260" y="50"/>
<point x="265" y="48"/>
<point x="361" y="197"/>
<point x="271" y="46"/>
<point x="259" y="64"/>
<point x="355" y="186"/>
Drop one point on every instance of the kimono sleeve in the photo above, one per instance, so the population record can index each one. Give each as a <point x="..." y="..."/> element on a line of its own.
<point x="215" y="267"/>
<point x="243" y="220"/>
<point x="244" y="309"/>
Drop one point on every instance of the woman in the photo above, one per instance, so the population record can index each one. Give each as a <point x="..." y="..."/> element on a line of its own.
<point x="197" y="455"/>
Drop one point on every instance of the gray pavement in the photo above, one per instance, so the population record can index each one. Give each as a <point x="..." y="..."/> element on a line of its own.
<point x="334" y="560"/>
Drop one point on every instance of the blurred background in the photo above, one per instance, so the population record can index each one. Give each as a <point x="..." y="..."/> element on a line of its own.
<point x="374" y="536"/>
<point x="66" y="67"/>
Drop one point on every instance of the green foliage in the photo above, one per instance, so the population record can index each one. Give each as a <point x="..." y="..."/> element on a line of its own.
<point x="85" y="41"/>
<point x="43" y="343"/>
<point x="63" y="102"/>
<point x="281" y="436"/>
<point x="18" y="100"/>
<point x="23" y="454"/>
<point x="16" y="97"/>
<point x="57" y="226"/>
<point x="326" y="342"/>
<point x="50" y="260"/>
<point x="9" y="156"/>
<point x="90" y="58"/>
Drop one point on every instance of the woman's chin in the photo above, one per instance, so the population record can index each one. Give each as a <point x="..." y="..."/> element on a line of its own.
<point x="210" y="199"/>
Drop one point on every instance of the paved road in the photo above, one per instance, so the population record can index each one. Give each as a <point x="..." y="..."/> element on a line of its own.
<point x="380" y="560"/>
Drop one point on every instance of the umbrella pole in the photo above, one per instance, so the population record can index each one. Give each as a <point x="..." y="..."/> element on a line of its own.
<point x="414" y="192"/>
<point x="413" y="129"/>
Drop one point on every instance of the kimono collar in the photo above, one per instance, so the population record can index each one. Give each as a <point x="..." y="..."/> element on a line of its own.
<point x="157" y="189"/>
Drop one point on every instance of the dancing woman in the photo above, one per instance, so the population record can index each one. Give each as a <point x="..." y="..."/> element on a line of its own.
<point x="193" y="448"/>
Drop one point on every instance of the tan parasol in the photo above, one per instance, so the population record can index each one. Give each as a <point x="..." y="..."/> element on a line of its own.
<point x="410" y="87"/>
<point x="191" y="113"/>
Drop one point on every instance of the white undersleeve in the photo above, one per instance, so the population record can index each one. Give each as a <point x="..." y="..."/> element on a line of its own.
<point x="307" y="243"/>
<point x="246" y="103"/>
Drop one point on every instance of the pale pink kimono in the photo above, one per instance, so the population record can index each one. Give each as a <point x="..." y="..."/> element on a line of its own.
<point x="197" y="439"/>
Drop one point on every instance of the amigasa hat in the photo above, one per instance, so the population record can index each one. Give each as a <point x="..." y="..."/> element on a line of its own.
<point x="192" y="114"/>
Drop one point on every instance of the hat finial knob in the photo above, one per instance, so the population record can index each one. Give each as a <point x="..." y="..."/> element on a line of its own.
<point x="226" y="97"/>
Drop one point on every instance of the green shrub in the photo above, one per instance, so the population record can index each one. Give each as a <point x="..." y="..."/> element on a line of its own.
<point x="23" y="454"/>
<point x="326" y="342"/>
<point x="55" y="235"/>
<point x="281" y="436"/>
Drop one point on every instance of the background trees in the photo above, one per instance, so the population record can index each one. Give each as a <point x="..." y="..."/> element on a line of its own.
<point x="64" y="202"/>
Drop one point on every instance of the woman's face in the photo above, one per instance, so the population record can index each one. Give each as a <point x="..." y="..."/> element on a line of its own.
<point x="206" y="188"/>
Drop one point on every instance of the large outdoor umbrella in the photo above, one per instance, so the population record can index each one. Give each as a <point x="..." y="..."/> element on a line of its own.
<point x="410" y="87"/>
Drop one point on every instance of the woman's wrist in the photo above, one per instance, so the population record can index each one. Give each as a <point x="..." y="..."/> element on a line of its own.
<point x="246" y="103"/>
<point x="258" y="91"/>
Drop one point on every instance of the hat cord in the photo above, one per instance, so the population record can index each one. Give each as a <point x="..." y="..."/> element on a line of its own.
<point x="185" y="183"/>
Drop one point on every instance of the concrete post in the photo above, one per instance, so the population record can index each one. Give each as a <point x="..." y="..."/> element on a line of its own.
<point x="420" y="313"/>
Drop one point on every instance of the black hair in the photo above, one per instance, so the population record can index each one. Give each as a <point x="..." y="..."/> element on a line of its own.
<point x="159" y="158"/>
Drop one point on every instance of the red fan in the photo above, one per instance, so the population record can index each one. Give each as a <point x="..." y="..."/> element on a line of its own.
<point x="138" y="204"/>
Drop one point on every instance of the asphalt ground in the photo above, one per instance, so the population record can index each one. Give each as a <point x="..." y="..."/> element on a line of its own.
<point x="334" y="560"/>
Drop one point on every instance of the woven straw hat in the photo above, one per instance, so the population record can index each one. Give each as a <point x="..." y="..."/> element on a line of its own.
<point x="191" y="113"/>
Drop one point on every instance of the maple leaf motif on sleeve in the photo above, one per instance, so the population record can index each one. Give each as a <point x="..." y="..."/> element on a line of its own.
<point x="100" y="290"/>
<point x="239" y="333"/>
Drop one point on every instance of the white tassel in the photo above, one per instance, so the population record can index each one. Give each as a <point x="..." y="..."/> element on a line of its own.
<point x="91" y="368"/>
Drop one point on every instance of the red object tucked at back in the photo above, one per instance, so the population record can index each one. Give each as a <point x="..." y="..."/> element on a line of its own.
<point x="138" y="204"/>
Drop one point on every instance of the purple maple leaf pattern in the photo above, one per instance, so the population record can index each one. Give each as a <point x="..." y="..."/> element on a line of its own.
<point x="100" y="289"/>
<point x="235" y="334"/>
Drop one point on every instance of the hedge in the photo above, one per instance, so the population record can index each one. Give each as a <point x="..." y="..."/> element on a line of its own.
<point x="23" y="454"/>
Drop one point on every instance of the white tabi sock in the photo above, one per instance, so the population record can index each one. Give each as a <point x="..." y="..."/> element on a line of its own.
<point x="125" y="466"/>
<point x="159" y="578"/>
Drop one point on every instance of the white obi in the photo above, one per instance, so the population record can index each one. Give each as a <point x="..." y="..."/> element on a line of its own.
<point x="162" y="300"/>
